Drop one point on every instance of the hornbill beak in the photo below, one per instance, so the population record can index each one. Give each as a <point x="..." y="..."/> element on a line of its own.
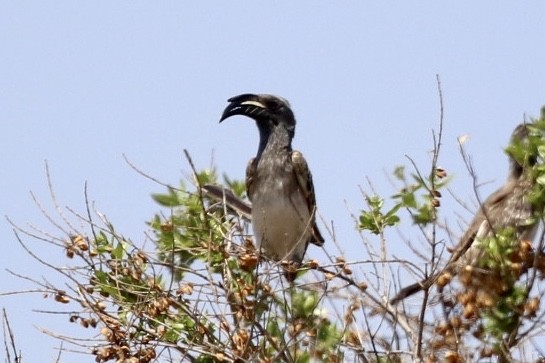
<point x="246" y="105"/>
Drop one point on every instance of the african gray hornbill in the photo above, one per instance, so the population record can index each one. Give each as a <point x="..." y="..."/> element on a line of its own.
<point x="508" y="207"/>
<point x="278" y="181"/>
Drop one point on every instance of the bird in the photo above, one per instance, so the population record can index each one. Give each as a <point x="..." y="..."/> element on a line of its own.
<point x="278" y="182"/>
<point x="507" y="207"/>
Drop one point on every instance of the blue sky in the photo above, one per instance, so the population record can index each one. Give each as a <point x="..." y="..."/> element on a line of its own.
<point x="84" y="82"/>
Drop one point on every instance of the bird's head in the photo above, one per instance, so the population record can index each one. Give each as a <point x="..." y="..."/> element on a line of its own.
<point x="522" y="149"/>
<point x="269" y="112"/>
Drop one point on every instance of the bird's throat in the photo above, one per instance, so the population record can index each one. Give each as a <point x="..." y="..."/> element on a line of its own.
<point x="275" y="143"/>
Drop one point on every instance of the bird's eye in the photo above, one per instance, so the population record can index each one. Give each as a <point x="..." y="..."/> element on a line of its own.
<point x="273" y="105"/>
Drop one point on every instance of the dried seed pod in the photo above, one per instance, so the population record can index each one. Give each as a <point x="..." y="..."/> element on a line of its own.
<point x="444" y="279"/>
<point x="452" y="357"/>
<point x="470" y="311"/>
<point x="440" y="172"/>
<point x="61" y="297"/>
<point x="532" y="306"/>
<point x="456" y="322"/>
<point x="248" y="262"/>
<point x="313" y="264"/>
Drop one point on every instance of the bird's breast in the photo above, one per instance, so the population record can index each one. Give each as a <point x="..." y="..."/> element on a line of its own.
<point x="281" y="219"/>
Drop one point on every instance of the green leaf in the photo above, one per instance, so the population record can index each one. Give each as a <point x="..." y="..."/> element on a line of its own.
<point x="375" y="202"/>
<point x="391" y="220"/>
<point x="101" y="276"/>
<point x="166" y="200"/>
<point x="409" y="200"/>
<point x="424" y="215"/>
<point x="541" y="179"/>
<point x="541" y="151"/>
<point x="303" y="358"/>
<point x="119" y="251"/>
<point x="399" y="172"/>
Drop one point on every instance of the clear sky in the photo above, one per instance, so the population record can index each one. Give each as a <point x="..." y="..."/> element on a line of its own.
<point x="82" y="83"/>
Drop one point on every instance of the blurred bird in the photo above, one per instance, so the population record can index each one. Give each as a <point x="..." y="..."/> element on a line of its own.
<point x="278" y="182"/>
<point x="507" y="207"/>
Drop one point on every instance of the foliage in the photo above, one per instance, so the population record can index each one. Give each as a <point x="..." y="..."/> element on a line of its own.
<point x="200" y="295"/>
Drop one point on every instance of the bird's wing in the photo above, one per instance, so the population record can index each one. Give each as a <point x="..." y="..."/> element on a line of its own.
<point x="304" y="179"/>
<point x="480" y="226"/>
<point x="250" y="176"/>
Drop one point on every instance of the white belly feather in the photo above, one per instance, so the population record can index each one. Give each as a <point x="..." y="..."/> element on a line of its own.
<point x="281" y="229"/>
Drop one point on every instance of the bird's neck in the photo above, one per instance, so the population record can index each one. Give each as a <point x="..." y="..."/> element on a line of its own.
<point x="517" y="171"/>
<point x="276" y="142"/>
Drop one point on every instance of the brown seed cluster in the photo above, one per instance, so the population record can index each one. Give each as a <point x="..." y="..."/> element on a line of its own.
<point x="341" y="263"/>
<point x="483" y="289"/>
<point x="448" y="333"/>
<point x="498" y="278"/>
<point x="121" y="282"/>
<point x="76" y="244"/>
<point x="248" y="262"/>
<point x="435" y="195"/>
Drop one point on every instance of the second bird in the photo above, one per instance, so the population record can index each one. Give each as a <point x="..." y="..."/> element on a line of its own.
<point x="278" y="182"/>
